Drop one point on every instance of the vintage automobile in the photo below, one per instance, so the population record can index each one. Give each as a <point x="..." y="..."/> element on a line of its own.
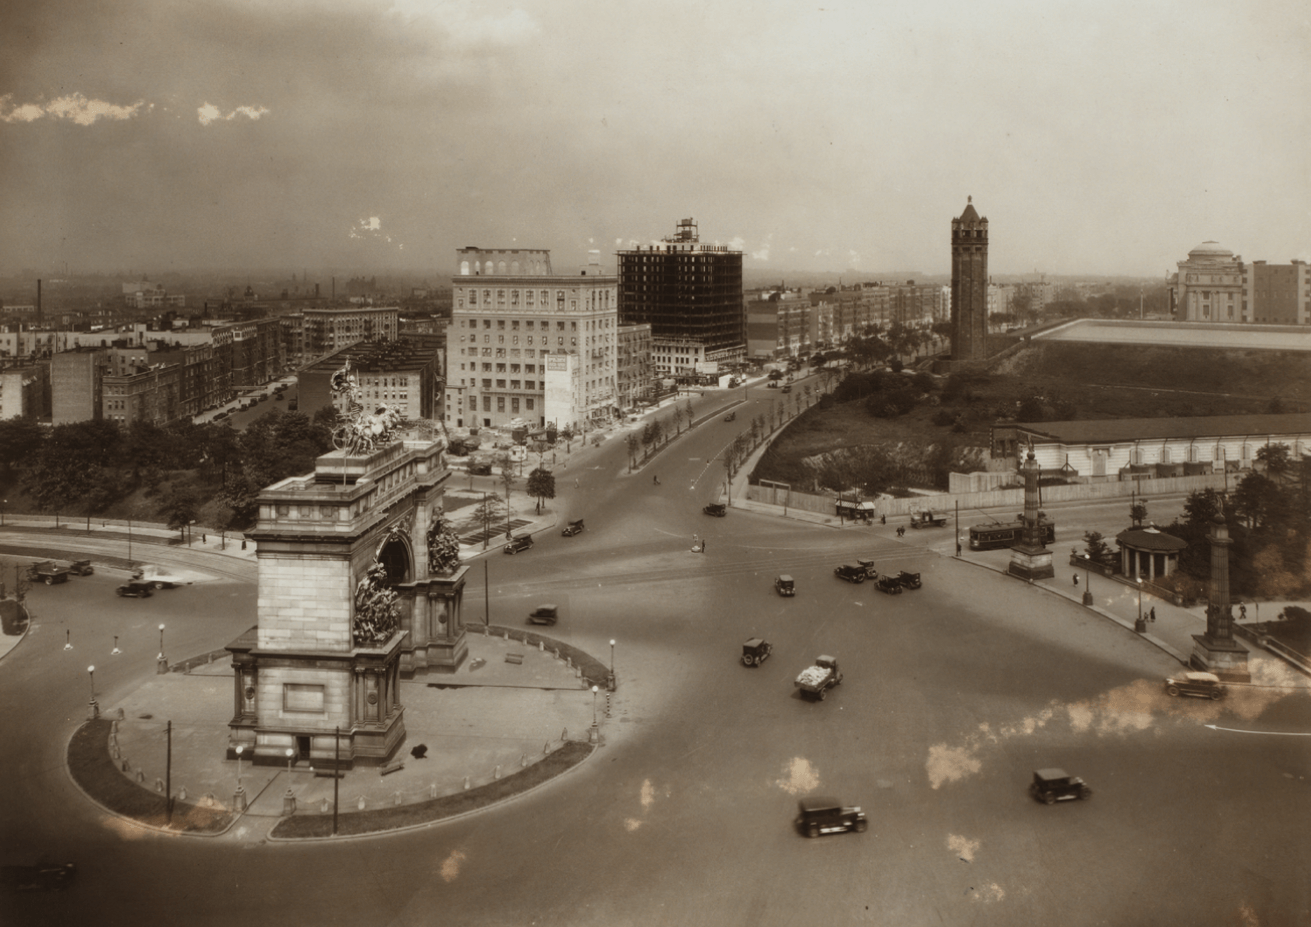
<point x="871" y="571"/>
<point x="137" y="588"/>
<point x="574" y="527"/>
<point x="81" y="567"/>
<point x="908" y="580"/>
<point x="787" y="388"/>
<point x="718" y="509"/>
<point x="730" y="416"/>
<point x="784" y="585"/>
<point x="756" y="651"/>
<point x="851" y="572"/>
<point x="545" y="614"/>
<point x="829" y="816"/>
<point x="927" y="520"/>
<point x="889" y="584"/>
<point x="37" y="878"/>
<point x="523" y="542"/>
<point x="1052" y="785"/>
<point x="1202" y="685"/>
<point x="48" y="572"/>
<point x="157" y="578"/>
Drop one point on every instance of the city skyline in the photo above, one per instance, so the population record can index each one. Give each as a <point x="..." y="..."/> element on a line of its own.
<point x="353" y="134"/>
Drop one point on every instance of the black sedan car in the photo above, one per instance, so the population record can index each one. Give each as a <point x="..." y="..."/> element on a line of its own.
<point x="851" y="572"/>
<point x="1052" y="785"/>
<point x="523" y="542"/>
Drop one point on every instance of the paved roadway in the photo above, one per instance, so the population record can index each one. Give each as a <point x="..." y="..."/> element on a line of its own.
<point x="952" y="695"/>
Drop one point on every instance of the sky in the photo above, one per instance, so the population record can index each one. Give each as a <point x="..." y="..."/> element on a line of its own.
<point x="1106" y="137"/>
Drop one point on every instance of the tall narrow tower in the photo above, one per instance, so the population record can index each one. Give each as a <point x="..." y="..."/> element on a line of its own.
<point x="969" y="284"/>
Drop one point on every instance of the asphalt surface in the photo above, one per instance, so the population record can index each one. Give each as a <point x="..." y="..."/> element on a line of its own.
<point x="952" y="695"/>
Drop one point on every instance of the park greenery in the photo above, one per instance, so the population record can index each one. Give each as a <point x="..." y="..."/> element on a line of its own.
<point x="210" y="473"/>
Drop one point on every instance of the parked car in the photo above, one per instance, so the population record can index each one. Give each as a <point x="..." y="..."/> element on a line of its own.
<point x="730" y="416"/>
<point x="784" y="585"/>
<point x="37" y="878"/>
<point x="718" y="509"/>
<point x="829" y="816"/>
<point x="1052" y="785"/>
<point x="574" y="527"/>
<point x="137" y="588"/>
<point x="81" y="567"/>
<point x="544" y="614"/>
<point x="851" y="572"/>
<point x="48" y="572"/>
<point x="889" y="584"/>
<point x="756" y="651"/>
<point x="1202" y="685"/>
<point x="908" y="580"/>
<point x="523" y="542"/>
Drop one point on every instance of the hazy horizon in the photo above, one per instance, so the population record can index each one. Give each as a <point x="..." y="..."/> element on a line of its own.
<point x="378" y="137"/>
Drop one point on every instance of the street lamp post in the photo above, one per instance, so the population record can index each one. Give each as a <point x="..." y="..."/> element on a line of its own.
<point x="239" y="799"/>
<point x="161" y="664"/>
<point x="3" y="503"/>
<point x="1140" y="626"/>
<point x="595" y="735"/>
<point x="189" y="524"/>
<point x="94" y="705"/>
<point x="1087" y="586"/>
<point x="289" y="800"/>
<point x="485" y="514"/>
<point x="611" y="681"/>
<point x="129" y="540"/>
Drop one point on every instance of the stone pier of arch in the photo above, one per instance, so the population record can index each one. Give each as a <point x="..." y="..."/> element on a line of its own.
<point x="304" y="681"/>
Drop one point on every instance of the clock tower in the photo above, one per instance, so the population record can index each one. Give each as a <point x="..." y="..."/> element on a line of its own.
<point x="969" y="285"/>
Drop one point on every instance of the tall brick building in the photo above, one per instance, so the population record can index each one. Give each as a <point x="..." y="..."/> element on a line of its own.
<point x="969" y="285"/>
<point x="691" y="295"/>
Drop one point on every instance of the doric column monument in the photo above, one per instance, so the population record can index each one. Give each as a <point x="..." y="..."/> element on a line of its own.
<point x="1030" y="559"/>
<point x="1217" y="651"/>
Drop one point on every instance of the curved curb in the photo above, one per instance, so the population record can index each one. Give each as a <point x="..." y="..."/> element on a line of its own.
<point x="22" y="637"/>
<point x="408" y="828"/>
<point x="1127" y="625"/>
<point x="135" y="822"/>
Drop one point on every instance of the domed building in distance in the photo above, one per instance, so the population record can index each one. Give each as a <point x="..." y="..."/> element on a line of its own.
<point x="1214" y="285"/>
<point x="1209" y="286"/>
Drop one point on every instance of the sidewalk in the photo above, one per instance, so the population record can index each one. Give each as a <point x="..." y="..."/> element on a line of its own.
<point x="488" y="719"/>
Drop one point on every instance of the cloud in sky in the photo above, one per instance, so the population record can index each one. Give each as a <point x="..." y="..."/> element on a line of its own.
<point x="210" y="113"/>
<point x="814" y="136"/>
<point x="72" y="107"/>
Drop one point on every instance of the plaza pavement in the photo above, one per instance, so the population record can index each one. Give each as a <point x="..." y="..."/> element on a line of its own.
<point x="487" y="720"/>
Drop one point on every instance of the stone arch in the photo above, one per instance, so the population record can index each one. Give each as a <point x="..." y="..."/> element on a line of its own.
<point x="397" y="556"/>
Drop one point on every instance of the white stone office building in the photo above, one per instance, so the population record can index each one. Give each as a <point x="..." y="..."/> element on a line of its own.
<point x="530" y="345"/>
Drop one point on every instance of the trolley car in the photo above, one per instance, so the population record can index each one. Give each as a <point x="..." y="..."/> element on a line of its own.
<point x="1007" y="534"/>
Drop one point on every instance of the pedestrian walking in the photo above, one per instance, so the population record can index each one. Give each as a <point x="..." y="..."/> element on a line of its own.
<point x="883" y="519"/>
<point x="1242" y="613"/>
<point x="1076" y="580"/>
<point x="1151" y="615"/>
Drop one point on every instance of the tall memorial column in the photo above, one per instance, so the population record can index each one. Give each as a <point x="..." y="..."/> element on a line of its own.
<point x="1217" y="651"/>
<point x="1030" y="559"/>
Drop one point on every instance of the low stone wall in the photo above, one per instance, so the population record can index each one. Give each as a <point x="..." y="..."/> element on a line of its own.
<point x="997" y="498"/>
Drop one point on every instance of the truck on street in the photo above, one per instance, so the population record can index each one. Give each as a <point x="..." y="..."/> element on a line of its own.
<point x="816" y="680"/>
